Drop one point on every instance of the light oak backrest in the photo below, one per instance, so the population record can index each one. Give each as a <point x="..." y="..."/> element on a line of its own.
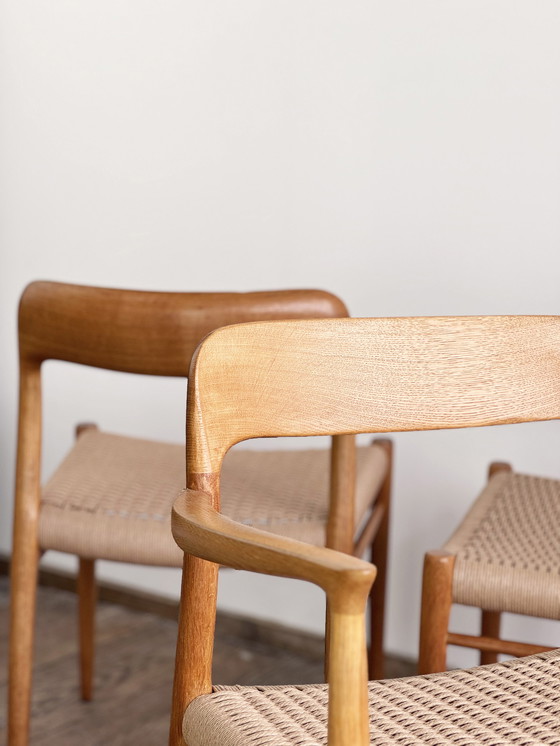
<point x="146" y="332"/>
<point x="368" y="375"/>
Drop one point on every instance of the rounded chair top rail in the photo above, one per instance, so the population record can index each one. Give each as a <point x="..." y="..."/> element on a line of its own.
<point x="369" y="375"/>
<point x="142" y="331"/>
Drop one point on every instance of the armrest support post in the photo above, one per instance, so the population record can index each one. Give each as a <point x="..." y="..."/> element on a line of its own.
<point x="203" y="532"/>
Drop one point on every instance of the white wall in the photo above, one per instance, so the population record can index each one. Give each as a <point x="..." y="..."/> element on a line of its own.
<point x="402" y="153"/>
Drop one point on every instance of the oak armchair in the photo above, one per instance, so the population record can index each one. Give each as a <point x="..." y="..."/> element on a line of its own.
<point x="111" y="497"/>
<point x="348" y="376"/>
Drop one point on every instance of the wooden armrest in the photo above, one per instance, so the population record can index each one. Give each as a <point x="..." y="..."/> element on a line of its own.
<point x="201" y="531"/>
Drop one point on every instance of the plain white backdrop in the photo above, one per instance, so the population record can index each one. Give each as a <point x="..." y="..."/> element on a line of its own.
<point x="401" y="153"/>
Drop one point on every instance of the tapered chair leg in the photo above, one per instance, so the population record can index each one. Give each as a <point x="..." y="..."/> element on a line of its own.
<point x="437" y="586"/>
<point x="379" y="551"/>
<point x="489" y="627"/>
<point x="193" y="664"/>
<point x="87" y="595"/>
<point x="327" y="642"/>
<point x="490" y="620"/>
<point x="25" y="560"/>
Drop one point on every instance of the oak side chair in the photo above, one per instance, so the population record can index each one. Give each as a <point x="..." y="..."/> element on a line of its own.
<point x="111" y="497"/>
<point x="347" y="376"/>
<point x="503" y="557"/>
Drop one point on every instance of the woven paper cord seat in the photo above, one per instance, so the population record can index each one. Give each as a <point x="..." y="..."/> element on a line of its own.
<point x="517" y="702"/>
<point x="508" y="547"/>
<point x="111" y="497"/>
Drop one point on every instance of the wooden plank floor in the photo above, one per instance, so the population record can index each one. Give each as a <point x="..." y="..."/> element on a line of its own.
<point x="135" y="652"/>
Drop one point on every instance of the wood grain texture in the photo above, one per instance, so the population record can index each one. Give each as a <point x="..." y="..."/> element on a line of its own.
<point x="380" y="558"/>
<point x="489" y="627"/>
<point x="348" y="718"/>
<point x="25" y="553"/>
<point x="87" y="597"/>
<point x="436" y="606"/>
<point x="139" y="331"/>
<point x="195" y="639"/>
<point x="369" y="375"/>
<point x="203" y="532"/>
<point x="340" y="525"/>
<point x="490" y="621"/>
<point x="200" y="530"/>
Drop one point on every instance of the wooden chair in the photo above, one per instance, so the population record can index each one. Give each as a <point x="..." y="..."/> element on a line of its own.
<point x="111" y="497"/>
<point x="347" y="376"/>
<point x="503" y="557"/>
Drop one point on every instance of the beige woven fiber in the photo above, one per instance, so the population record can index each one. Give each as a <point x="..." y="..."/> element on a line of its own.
<point x="508" y="547"/>
<point x="111" y="497"/>
<point x="517" y="702"/>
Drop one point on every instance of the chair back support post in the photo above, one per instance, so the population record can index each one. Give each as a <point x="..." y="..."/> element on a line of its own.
<point x="197" y="621"/>
<point x="340" y="524"/>
<point x="25" y="555"/>
<point x="28" y="467"/>
<point x="348" y="720"/>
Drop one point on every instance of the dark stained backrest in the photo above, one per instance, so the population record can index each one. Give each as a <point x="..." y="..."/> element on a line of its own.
<point x="146" y="332"/>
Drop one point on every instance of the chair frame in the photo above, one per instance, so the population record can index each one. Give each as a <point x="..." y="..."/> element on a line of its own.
<point x="437" y="600"/>
<point x="334" y="377"/>
<point x="153" y="333"/>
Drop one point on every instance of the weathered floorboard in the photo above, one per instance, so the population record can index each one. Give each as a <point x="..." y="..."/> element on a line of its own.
<point x="134" y="670"/>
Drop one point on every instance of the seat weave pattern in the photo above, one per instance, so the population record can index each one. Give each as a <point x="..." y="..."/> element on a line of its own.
<point x="517" y="702"/>
<point x="508" y="547"/>
<point x="111" y="497"/>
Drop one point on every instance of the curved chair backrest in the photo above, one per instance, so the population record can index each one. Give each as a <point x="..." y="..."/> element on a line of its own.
<point x="138" y="331"/>
<point x="369" y="375"/>
<point x="146" y="332"/>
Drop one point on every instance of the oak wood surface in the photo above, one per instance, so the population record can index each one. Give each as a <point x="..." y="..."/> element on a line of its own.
<point x="340" y="524"/>
<point x="86" y="624"/>
<point x="87" y="597"/>
<point x="139" y="331"/>
<point x="489" y="627"/>
<point x="203" y="532"/>
<point x="490" y="621"/>
<point x="379" y="558"/>
<point x="436" y="606"/>
<point x="369" y="531"/>
<point x="195" y="639"/>
<point x="369" y="375"/>
<point x="25" y="553"/>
